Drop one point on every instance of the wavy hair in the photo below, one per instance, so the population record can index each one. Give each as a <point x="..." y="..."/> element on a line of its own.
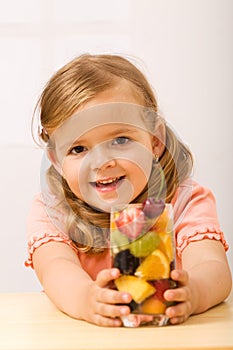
<point x="71" y="86"/>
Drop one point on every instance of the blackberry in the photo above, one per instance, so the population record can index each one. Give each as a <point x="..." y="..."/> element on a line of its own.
<point x="126" y="262"/>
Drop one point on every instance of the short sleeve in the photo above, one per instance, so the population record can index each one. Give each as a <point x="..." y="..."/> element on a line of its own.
<point x="42" y="227"/>
<point x="195" y="216"/>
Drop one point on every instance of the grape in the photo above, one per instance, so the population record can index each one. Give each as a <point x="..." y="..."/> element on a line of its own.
<point x="118" y="239"/>
<point x="145" y="245"/>
<point x="152" y="208"/>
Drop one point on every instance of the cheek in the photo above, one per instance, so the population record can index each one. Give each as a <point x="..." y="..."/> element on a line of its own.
<point x="138" y="176"/>
<point x="70" y="172"/>
<point x="141" y="170"/>
<point x="140" y="160"/>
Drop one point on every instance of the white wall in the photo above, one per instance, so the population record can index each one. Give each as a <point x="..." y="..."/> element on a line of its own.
<point x="184" y="47"/>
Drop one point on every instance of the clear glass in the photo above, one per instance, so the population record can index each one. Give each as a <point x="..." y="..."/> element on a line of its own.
<point x="142" y="247"/>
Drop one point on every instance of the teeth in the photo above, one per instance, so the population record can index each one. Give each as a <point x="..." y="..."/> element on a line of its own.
<point x="104" y="182"/>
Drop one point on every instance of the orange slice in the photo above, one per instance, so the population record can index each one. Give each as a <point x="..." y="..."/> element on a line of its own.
<point x="153" y="306"/>
<point x="163" y="222"/>
<point x="138" y="288"/>
<point x="155" y="266"/>
<point x="166" y="245"/>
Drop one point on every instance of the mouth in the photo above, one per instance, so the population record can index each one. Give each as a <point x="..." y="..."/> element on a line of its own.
<point x="109" y="183"/>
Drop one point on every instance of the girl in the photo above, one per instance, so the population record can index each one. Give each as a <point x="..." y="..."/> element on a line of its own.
<point x="107" y="145"/>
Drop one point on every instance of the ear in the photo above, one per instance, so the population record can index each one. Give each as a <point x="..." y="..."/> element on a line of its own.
<point x="51" y="154"/>
<point x="159" y="137"/>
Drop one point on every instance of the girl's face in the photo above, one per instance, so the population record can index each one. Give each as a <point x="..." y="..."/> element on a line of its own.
<point x="109" y="160"/>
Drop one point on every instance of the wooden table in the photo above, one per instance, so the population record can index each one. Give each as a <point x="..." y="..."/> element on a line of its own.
<point x="31" y="322"/>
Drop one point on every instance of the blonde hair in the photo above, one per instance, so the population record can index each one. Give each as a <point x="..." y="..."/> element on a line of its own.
<point x="74" y="84"/>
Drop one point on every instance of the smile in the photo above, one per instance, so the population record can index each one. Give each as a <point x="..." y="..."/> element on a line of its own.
<point x="107" y="183"/>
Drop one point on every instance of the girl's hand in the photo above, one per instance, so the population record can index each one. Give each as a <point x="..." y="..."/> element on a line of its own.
<point x="180" y="312"/>
<point x="101" y="302"/>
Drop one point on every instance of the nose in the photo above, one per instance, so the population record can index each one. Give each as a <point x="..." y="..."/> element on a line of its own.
<point x="101" y="159"/>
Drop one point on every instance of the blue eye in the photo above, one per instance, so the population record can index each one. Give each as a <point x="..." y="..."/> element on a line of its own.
<point x="122" y="140"/>
<point x="77" y="150"/>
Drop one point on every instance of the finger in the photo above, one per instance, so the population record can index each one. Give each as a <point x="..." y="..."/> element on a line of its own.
<point x="110" y="296"/>
<point x="177" y="320"/>
<point x="179" y="310"/>
<point x="112" y="310"/>
<point x="177" y="294"/>
<point x="180" y="276"/>
<point x="106" y="321"/>
<point x="106" y="275"/>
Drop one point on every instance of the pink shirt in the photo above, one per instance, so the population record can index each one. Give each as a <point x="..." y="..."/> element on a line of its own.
<point x="195" y="218"/>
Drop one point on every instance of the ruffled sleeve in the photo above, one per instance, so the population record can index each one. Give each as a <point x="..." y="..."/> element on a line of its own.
<point x="195" y="216"/>
<point x="44" y="225"/>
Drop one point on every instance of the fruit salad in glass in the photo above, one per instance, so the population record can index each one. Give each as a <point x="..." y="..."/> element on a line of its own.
<point x="142" y="248"/>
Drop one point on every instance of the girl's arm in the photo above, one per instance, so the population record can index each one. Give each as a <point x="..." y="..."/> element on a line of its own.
<point x="73" y="291"/>
<point x="204" y="281"/>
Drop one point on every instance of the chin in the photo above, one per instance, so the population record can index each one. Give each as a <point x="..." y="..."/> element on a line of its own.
<point x="106" y="205"/>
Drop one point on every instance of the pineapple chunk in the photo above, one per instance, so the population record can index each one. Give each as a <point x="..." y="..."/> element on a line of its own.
<point x="137" y="287"/>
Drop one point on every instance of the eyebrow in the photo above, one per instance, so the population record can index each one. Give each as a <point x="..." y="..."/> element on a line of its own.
<point x="122" y="131"/>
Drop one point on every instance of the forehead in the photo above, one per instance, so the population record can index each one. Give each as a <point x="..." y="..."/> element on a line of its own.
<point x="127" y="115"/>
<point x="109" y="130"/>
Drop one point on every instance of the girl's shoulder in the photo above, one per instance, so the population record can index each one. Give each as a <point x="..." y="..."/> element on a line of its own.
<point x="194" y="207"/>
<point x="45" y="223"/>
<point x="192" y="193"/>
<point x="195" y="214"/>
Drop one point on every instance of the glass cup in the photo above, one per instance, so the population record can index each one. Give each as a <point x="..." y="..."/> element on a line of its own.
<point x="142" y="248"/>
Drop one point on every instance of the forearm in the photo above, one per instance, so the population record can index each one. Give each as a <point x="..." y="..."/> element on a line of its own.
<point x="67" y="286"/>
<point x="210" y="284"/>
<point x="62" y="277"/>
<point x="209" y="274"/>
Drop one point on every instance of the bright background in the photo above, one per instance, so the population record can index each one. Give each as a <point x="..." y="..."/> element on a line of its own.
<point x="185" y="48"/>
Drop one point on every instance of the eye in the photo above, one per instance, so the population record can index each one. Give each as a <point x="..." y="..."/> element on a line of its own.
<point x="77" y="150"/>
<point x="122" y="140"/>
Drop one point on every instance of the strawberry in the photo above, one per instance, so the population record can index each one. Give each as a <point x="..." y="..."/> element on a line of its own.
<point x="130" y="222"/>
<point x="152" y="208"/>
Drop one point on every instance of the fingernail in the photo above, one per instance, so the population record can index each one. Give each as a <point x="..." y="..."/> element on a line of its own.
<point x="171" y="313"/>
<point x="170" y="295"/>
<point x="114" y="272"/>
<point x="117" y="322"/>
<point x="125" y="297"/>
<point x="175" y="275"/>
<point x="123" y="311"/>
